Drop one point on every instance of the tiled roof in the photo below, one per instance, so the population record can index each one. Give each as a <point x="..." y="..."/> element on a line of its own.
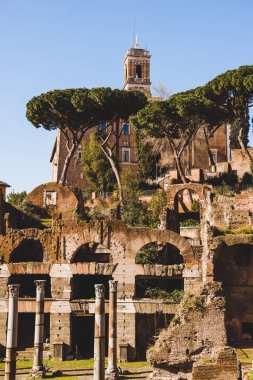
<point x="4" y="184"/>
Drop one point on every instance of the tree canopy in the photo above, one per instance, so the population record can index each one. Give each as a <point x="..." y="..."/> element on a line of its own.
<point x="177" y="120"/>
<point x="233" y="90"/>
<point x="75" y="111"/>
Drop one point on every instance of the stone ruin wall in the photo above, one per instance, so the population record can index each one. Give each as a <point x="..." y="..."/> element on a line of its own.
<point x="61" y="241"/>
<point x="66" y="236"/>
<point x="232" y="212"/>
<point x="196" y="333"/>
<point x="239" y="163"/>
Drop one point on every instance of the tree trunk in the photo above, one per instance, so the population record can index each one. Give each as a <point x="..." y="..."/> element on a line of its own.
<point x="244" y="148"/>
<point x="116" y="173"/>
<point x="178" y="163"/>
<point x="68" y="158"/>
<point x="117" y="136"/>
<point x="212" y="163"/>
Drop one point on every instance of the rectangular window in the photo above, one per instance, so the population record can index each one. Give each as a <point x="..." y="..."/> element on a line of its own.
<point x="102" y="126"/>
<point x="125" y="154"/>
<point x="126" y="129"/>
<point x="214" y="155"/>
<point x="50" y="198"/>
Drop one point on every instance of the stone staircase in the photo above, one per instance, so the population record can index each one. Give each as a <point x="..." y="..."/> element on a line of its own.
<point x="28" y="353"/>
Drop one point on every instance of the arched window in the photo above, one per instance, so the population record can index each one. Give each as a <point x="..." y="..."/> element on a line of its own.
<point x="96" y="253"/>
<point x="138" y="72"/>
<point x="156" y="253"/>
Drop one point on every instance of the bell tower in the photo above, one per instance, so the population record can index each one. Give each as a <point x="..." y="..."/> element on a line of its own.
<point x="137" y="69"/>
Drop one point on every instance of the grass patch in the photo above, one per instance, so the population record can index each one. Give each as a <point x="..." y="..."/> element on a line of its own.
<point x="242" y="231"/>
<point x="245" y="355"/>
<point x="74" y="365"/>
<point x="47" y="222"/>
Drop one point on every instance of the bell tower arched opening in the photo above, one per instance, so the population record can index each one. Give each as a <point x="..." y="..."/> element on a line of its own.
<point x="138" y="72"/>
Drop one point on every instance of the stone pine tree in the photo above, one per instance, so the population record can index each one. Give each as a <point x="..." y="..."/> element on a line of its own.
<point x="233" y="90"/>
<point x="57" y="109"/>
<point x="177" y="121"/>
<point x="117" y="106"/>
<point x="75" y="111"/>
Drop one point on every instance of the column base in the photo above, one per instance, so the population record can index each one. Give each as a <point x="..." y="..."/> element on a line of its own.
<point x="112" y="374"/>
<point x="38" y="374"/>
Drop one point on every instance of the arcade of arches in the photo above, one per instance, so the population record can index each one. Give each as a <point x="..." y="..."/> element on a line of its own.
<point x="89" y="255"/>
<point x="151" y="267"/>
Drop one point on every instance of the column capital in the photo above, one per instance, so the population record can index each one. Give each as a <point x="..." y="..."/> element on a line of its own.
<point x="99" y="290"/>
<point x="40" y="284"/>
<point x="14" y="290"/>
<point x="113" y="285"/>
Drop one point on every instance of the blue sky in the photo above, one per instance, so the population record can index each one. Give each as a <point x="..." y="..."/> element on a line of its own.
<point x="50" y="44"/>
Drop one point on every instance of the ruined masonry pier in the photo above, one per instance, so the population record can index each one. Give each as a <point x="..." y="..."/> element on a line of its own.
<point x="112" y="370"/>
<point x="99" y="335"/>
<point x="38" y="370"/>
<point x="12" y="332"/>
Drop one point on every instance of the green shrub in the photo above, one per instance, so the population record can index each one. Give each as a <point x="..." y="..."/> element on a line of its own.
<point x="134" y="212"/>
<point x="195" y="206"/>
<point x="16" y="199"/>
<point x="156" y="206"/>
<point x="174" y="296"/>
<point x="224" y="189"/>
<point x="226" y="178"/>
<point x="190" y="223"/>
<point x="148" y="254"/>
<point x="193" y="302"/>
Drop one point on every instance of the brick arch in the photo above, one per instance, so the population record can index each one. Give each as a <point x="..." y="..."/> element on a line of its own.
<point x="27" y="250"/>
<point x="228" y="242"/>
<point x="75" y="240"/>
<point x="140" y="237"/>
<point x="173" y="190"/>
<point x="15" y="238"/>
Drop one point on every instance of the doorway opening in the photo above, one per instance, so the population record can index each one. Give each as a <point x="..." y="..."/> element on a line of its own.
<point x="83" y="336"/>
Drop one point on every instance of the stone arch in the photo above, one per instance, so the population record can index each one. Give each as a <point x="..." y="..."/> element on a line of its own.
<point x="140" y="237"/>
<point x="91" y="252"/>
<point x="98" y="235"/>
<point x="27" y="250"/>
<point x="163" y="254"/>
<point x="173" y="190"/>
<point x="73" y="241"/>
<point x="15" y="237"/>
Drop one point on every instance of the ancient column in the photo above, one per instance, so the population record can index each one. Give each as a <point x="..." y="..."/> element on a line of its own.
<point x="112" y="369"/>
<point x="12" y="333"/>
<point x="38" y="370"/>
<point x="99" y="334"/>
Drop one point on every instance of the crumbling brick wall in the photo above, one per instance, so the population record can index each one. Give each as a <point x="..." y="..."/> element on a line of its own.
<point x="197" y="330"/>
<point x="223" y="367"/>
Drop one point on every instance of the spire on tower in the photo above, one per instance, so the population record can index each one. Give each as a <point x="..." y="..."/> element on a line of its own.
<point x="136" y="43"/>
